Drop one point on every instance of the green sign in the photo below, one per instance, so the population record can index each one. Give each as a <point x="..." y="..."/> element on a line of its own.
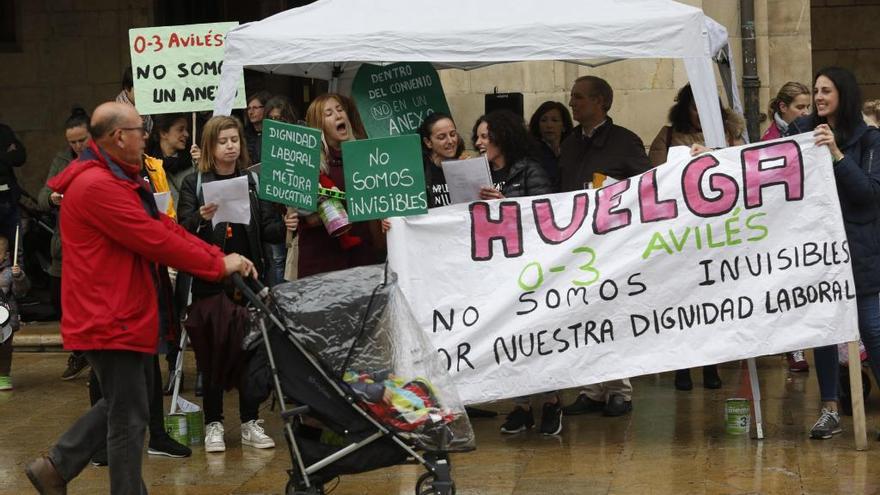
<point x="384" y="178"/>
<point x="291" y="161"/>
<point x="395" y="99"/>
<point x="177" y="68"/>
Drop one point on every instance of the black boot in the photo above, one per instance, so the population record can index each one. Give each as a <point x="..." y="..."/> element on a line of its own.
<point x="683" y="380"/>
<point x="199" y="388"/>
<point x="710" y="377"/>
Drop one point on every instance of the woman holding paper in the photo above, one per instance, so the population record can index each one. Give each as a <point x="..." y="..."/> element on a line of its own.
<point x="502" y="136"/>
<point x="317" y="250"/>
<point x="836" y="122"/>
<point x="440" y="142"/>
<point x="224" y="157"/>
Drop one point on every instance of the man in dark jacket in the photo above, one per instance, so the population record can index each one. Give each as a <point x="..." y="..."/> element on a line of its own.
<point x="12" y="155"/>
<point x="114" y="238"/>
<point x="597" y="145"/>
<point x="595" y="149"/>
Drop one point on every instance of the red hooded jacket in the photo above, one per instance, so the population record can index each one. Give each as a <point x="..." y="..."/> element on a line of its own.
<point x="111" y="247"/>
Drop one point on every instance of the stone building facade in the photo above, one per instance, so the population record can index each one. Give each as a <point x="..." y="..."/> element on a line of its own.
<point x="74" y="51"/>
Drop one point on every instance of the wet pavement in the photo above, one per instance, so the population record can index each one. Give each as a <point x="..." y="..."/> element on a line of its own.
<point x="673" y="442"/>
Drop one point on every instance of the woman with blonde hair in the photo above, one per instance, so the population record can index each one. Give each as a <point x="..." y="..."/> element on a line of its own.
<point x="317" y="251"/>
<point x="224" y="156"/>
<point x="792" y="101"/>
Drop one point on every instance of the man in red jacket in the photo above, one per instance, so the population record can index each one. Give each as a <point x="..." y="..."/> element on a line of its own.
<point x="113" y="237"/>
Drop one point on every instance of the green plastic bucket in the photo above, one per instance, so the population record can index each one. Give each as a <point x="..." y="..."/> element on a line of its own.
<point x="195" y="426"/>
<point x="176" y="427"/>
<point x="738" y="415"/>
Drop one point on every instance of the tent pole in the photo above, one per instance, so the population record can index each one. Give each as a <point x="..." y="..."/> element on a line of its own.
<point x="333" y="87"/>
<point x="751" y="82"/>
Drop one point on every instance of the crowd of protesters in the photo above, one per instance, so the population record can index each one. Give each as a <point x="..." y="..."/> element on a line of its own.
<point x="557" y="151"/>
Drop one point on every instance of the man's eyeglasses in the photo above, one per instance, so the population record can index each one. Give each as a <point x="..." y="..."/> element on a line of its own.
<point x="139" y="128"/>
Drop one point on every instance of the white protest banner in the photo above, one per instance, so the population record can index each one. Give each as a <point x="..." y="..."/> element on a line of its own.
<point x="729" y="255"/>
<point x="177" y="68"/>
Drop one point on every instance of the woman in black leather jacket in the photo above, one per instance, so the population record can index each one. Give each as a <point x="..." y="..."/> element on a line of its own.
<point x="502" y="136"/>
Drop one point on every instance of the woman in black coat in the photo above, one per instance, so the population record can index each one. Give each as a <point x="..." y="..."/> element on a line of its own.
<point x="836" y="121"/>
<point x="224" y="156"/>
<point x="502" y="136"/>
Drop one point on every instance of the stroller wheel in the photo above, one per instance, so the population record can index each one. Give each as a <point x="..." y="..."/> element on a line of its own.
<point x="291" y="489"/>
<point x="427" y="485"/>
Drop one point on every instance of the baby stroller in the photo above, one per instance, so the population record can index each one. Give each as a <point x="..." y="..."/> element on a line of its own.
<point x="342" y="351"/>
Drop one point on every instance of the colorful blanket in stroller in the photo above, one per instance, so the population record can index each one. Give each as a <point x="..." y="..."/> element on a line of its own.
<point x="404" y="405"/>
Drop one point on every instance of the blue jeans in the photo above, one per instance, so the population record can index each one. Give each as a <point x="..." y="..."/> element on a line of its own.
<point x="276" y="254"/>
<point x="827" y="362"/>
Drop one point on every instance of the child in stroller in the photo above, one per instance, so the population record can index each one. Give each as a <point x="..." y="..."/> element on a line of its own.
<point x="409" y="406"/>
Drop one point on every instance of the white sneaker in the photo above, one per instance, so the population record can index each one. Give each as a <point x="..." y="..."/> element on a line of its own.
<point x="214" y="437"/>
<point x="252" y="434"/>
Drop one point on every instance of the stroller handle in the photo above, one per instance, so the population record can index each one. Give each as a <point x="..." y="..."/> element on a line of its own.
<point x="252" y="289"/>
<point x="252" y="285"/>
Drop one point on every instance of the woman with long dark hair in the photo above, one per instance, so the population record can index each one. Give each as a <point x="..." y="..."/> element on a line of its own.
<point x="684" y="127"/>
<point x="440" y="142"/>
<point x="501" y="136"/>
<point x="836" y="122"/>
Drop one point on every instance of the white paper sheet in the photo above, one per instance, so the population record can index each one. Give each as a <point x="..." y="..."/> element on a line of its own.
<point x="464" y="178"/>
<point x="231" y="197"/>
<point x="162" y="201"/>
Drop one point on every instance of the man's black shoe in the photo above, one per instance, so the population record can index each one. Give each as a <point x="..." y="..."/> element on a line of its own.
<point x="683" y="380"/>
<point x="551" y="419"/>
<point x="518" y="420"/>
<point x="582" y="405"/>
<point x="99" y="458"/>
<point x="167" y="446"/>
<point x="76" y="364"/>
<point x="617" y="406"/>
<point x="711" y="380"/>
<point x="199" y="389"/>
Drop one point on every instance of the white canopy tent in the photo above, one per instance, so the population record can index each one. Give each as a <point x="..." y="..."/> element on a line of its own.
<point x="330" y="39"/>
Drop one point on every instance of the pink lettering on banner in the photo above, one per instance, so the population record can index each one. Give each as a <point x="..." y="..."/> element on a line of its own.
<point x="789" y="174"/>
<point x="724" y="186"/>
<point x="546" y="221"/>
<point x="607" y="218"/>
<point x="485" y="230"/>
<point x="652" y="209"/>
